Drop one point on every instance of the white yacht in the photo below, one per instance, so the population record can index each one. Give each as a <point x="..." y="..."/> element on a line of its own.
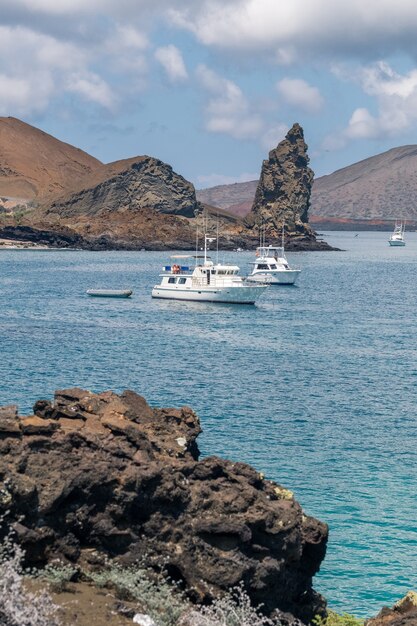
<point x="205" y="281"/>
<point x="397" y="237"/>
<point x="271" y="266"/>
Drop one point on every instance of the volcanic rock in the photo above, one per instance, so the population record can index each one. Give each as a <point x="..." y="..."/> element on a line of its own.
<point x="108" y="472"/>
<point x="283" y="193"/>
<point x="130" y="184"/>
<point x="403" y="613"/>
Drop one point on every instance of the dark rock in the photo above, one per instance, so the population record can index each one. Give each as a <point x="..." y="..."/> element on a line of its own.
<point x="132" y="184"/>
<point x="403" y="613"/>
<point x="9" y="421"/>
<point x="124" y="479"/>
<point x="283" y="193"/>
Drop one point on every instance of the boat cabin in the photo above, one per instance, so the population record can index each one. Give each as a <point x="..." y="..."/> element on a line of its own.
<point x="270" y="258"/>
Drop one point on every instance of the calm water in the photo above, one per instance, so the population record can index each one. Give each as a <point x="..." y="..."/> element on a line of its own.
<point x="315" y="386"/>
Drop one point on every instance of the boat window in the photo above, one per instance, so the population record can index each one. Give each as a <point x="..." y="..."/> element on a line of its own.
<point x="213" y="271"/>
<point x="221" y="272"/>
<point x="262" y="266"/>
<point x="182" y="280"/>
<point x="272" y="267"/>
<point x="171" y="280"/>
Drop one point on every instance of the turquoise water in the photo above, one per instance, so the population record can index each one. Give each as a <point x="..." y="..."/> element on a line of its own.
<point x="315" y="386"/>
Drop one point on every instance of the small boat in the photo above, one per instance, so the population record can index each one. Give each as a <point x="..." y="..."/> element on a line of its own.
<point x="271" y="265"/>
<point x="206" y="281"/>
<point x="397" y="237"/>
<point x="110" y="293"/>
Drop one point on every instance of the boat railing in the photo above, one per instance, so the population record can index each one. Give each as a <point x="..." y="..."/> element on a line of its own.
<point x="216" y="281"/>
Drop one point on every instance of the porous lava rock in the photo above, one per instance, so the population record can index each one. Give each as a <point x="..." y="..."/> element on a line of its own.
<point x="107" y="472"/>
<point x="403" y="613"/>
<point x="131" y="184"/>
<point x="284" y="189"/>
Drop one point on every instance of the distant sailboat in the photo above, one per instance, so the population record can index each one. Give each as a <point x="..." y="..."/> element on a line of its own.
<point x="397" y="237"/>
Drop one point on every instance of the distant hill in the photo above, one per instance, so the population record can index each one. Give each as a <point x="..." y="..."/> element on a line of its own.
<point x="383" y="187"/>
<point x="236" y="198"/>
<point x="35" y="165"/>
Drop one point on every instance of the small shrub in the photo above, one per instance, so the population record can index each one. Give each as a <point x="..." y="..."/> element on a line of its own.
<point x="58" y="575"/>
<point x="233" y="609"/>
<point x="18" y="606"/>
<point x="159" y="599"/>
<point x="334" y="619"/>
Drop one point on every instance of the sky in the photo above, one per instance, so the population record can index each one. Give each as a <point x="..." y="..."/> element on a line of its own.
<point x="210" y="86"/>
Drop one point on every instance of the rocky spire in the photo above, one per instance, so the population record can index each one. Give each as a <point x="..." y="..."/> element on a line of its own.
<point x="284" y="188"/>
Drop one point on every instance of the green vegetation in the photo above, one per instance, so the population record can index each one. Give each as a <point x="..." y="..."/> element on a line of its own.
<point x="334" y="619"/>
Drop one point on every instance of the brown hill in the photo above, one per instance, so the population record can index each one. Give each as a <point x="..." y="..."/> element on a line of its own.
<point x="35" y="165"/>
<point x="236" y="198"/>
<point x="381" y="187"/>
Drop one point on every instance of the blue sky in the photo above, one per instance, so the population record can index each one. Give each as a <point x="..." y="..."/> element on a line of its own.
<point x="211" y="86"/>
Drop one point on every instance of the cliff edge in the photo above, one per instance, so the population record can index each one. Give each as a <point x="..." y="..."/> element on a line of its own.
<point x="109" y="472"/>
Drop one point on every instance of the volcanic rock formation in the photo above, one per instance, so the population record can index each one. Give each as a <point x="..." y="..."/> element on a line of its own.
<point x="131" y="184"/>
<point x="403" y="613"/>
<point x="284" y="189"/>
<point x="109" y="472"/>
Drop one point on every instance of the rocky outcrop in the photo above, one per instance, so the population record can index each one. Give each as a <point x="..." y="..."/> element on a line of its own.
<point x="283" y="192"/>
<point x="109" y="472"/>
<point x="403" y="613"/>
<point x="131" y="184"/>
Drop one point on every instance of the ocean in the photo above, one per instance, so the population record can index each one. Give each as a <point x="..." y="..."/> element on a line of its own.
<point x="315" y="385"/>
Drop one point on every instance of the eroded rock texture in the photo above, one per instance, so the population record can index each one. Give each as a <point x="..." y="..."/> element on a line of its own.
<point x="131" y="184"/>
<point x="109" y="472"/>
<point x="284" y="189"/>
<point x="403" y="613"/>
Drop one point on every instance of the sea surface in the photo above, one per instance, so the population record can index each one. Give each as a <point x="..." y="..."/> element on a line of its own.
<point x="315" y="386"/>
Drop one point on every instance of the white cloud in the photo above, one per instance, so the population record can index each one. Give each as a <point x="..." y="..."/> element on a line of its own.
<point x="42" y="67"/>
<point x="272" y="135"/>
<point x="291" y="29"/>
<point x="299" y="93"/>
<point x="227" y="110"/>
<point x="93" y="88"/>
<point x="395" y="97"/>
<point x="171" y="60"/>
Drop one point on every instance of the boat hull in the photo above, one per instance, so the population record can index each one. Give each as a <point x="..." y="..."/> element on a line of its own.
<point x="286" y="277"/>
<point x="109" y="293"/>
<point x="396" y="242"/>
<point x="229" y="295"/>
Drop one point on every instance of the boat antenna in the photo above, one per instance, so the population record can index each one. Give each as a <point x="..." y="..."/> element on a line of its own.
<point x="196" y="213"/>
<point x="282" y="235"/>
<point x="217" y="237"/>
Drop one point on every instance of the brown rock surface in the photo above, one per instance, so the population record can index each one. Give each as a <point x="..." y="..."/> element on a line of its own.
<point x="123" y="478"/>
<point x="403" y="613"/>
<point x="35" y="165"/>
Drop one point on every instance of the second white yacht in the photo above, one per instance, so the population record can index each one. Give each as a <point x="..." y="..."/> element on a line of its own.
<point x="271" y="266"/>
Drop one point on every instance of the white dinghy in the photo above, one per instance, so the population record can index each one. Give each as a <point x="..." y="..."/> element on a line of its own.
<point x="109" y="293"/>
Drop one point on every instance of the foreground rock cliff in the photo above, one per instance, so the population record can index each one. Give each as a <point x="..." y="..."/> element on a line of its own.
<point x="109" y="472"/>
